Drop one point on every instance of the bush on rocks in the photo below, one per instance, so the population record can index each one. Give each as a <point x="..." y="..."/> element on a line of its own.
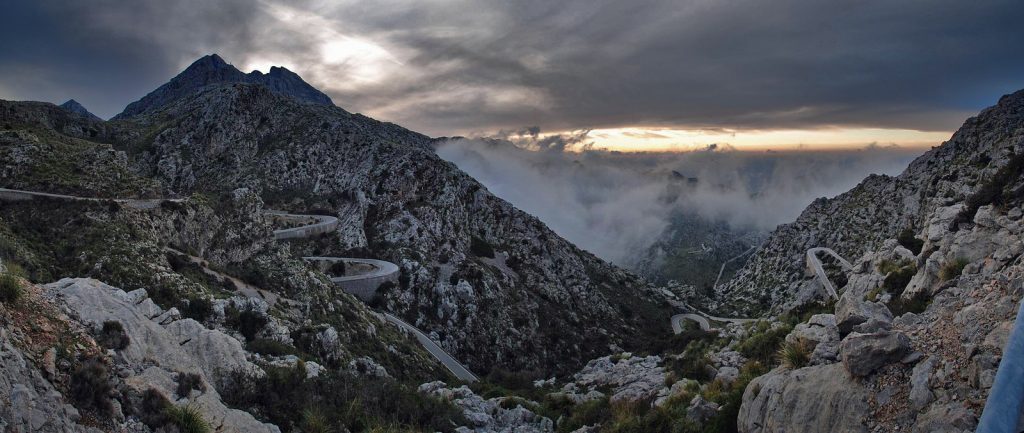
<point x="188" y="382"/>
<point x="113" y="336"/>
<point x="90" y="387"/>
<point x="248" y="322"/>
<point x="10" y="288"/>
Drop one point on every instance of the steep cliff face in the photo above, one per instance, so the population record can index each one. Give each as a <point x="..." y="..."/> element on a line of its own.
<point x="879" y="208"/>
<point x="492" y="283"/>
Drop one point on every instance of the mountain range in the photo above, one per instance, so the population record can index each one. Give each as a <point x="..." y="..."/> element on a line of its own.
<point x="145" y="287"/>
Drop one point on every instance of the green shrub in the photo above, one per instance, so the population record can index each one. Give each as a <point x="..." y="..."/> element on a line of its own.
<point x="188" y="382"/>
<point x="248" y="322"/>
<point x="188" y="419"/>
<point x="10" y="288"/>
<point x="952" y="269"/>
<point x="692" y="364"/>
<point x="591" y="412"/>
<point x="153" y="409"/>
<point x="265" y="346"/>
<point x="356" y="403"/>
<point x="90" y="386"/>
<point x="763" y="343"/>
<point x="797" y="354"/>
<point x="337" y="268"/>
<point x="113" y="336"/>
<point x="910" y="242"/>
<point x="898" y="277"/>
<point x="481" y="248"/>
<point x="887" y="266"/>
<point x="198" y="308"/>
<point x="873" y="294"/>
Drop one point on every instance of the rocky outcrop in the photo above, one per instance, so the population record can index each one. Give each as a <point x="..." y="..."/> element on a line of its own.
<point x="925" y="317"/>
<point x="822" y="332"/>
<point x="490" y="415"/>
<point x="156" y="353"/>
<point x="630" y="378"/>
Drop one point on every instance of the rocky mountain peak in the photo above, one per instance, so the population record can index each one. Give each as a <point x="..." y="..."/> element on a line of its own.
<point x="77" y="108"/>
<point x="212" y="69"/>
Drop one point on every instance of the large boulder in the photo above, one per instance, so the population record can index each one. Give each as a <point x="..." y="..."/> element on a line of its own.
<point x="862" y="354"/>
<point x="808" y="400"/>
<point x="852" y="310"/>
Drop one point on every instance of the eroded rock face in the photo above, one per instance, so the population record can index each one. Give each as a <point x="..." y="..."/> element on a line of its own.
<point x="862" y="354"/>
<point x="28" y="402"/>
<point x="157" y="352"/>
<point x="809" y="400"/>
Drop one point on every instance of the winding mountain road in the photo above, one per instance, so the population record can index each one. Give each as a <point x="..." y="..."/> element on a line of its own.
<point x="383" y="270"/>
<point x="813" y="262"/>
<point x="321" y="224"/>
<point x="722" y="269"/>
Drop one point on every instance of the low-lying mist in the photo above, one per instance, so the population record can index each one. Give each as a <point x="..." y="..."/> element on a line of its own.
<point x="616" y="204"/>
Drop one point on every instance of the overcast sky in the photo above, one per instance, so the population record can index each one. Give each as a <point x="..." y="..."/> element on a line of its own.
<point x="478" y="66"/>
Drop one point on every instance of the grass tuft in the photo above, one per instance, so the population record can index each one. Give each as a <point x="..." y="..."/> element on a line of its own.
<point x="188" y="419"/>
<point x="794" y="355"/>
<point x="952" y="269"/>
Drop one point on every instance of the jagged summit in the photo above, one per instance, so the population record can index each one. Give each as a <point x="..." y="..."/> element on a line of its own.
<point x="77" y="108"/>
<point x="212" y="69"/>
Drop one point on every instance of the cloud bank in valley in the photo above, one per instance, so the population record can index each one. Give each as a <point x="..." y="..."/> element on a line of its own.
<point x="615" y="204"/>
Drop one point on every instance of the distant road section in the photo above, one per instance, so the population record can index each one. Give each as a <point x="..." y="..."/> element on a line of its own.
<point x="722" y="269"/>
<point x="447" y="360"/>
<point x="363" y="286"/>
<point x="137" y="203"/>
<point x="315" y="225"/>
<point x="814" y="264"/>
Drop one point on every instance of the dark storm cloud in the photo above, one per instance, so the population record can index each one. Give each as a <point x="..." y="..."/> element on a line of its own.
<point x="461" y="66"/>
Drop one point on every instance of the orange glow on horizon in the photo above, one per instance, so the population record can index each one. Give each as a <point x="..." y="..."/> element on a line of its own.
<point x="639" y="139"/>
